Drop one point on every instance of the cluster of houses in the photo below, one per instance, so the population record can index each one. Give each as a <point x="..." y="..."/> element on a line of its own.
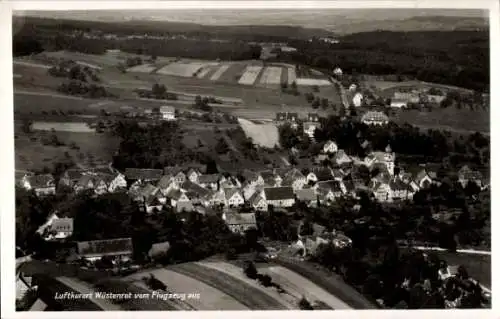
<point x="309" y="124"/>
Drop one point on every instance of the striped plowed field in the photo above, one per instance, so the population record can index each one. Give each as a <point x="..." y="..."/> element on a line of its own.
<point x="233" y="73"/>
<point x="246" y="294"/>
<point x="220" y="70"/>
<point x="303" y="286"/>
<point x="237" y="272"/>
<point x="210" y="298"/>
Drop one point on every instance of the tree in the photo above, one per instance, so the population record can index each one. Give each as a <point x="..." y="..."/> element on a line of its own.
<point x="221" y="147"/>
<point x="316" y="103"/>
<point x="304" y="304"/>
<point x="27" y="126"/>
<point x="250" y="270"/>
<point x="324" y="103"/>
<point x="294" y="86"/>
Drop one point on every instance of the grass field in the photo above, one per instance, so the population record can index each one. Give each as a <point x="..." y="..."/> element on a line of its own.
<point x="265" y="135"/>
<point x="462" y="121"/>
<point x="93" y="148"/>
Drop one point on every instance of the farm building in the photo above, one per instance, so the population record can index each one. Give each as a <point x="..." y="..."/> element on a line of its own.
<point x="279" y="196"/>
<point x="398" y="103"/>
<point x="239" y="223"/>
<point x="374" y="118"/>
<point x="93" y="250"/>
<point x="43" y="184"/>
<point x="406" y="96"/>
<point x="312" y="117"/>
<point x="310" y="128"/>
<point x="167" y="113"/>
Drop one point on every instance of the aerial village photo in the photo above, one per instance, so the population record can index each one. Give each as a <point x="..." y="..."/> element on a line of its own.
<point x="265" y="159"/>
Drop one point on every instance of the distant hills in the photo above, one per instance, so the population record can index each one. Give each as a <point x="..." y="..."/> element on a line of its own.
<point x="292" y="23"/>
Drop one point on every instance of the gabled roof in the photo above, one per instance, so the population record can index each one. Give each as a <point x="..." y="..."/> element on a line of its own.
<point x="208" y="178"/>
<point x="164" y="181"/>
<point x="398" y="185"/>
<point x="84" y="180"/>
<point x="74" y="173"/>
<point x="194" y="190"/>
<point x="174" y="194"/>
<point x="341" y="155"/>
<point x="41" y="181"/>
<point x="332" y="185"/>
<point x="255" y="198"/>
<point x="241" y="219"/>
<point x="143" y="173"/>
<point x="323" y="173"/>
<point x="278" y="193"/>
<point x="306" y="194"/>
<point x="184" y="206"/>
<point x="229" y="192"/>
<point x="329" y="143"/>
<point x="374" y="116"/>
<point x="172" y="170"/>
<point x="147" y="190"/>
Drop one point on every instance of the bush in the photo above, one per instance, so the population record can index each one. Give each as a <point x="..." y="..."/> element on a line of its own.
<point x="251" y="271"/>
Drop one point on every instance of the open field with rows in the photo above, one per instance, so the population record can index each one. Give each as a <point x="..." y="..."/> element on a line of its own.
<point x="265" y="135"/>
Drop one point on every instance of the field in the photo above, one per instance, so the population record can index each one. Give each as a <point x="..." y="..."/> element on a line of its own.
<point x="217" y="74"/>
<point x="271" y="75"/>
<point x="245" y="294"/>
<point x="388" y="87"/>
<point x="265" y="135"/>
<point x="210" y="298"/>
<point x="143" y="68"/>
<point x="31" y="154"/>
<point x="461" y="121"/>
<point x="250" y="75"/>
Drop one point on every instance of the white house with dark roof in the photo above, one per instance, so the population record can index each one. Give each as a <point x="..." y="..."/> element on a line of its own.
<point x="279" y="196"/>
<point x="330" y="147"/>
<point x="234" y="198"/>
<point x="167" y="113"/>
<point x="210" y="181"/>
<point x="258" y="202"/>
<point x="239" y="223"/>
<point x="357" y="99"/>
<point x="375" y="118"/>
<point x="42" y="184"/>
<point x="295" y="179"/>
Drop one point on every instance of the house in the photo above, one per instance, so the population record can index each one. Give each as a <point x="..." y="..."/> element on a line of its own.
<point x="86" y="182"/>
<point x="196" y="193"/>
<point x="337" y="71"/>
<point x="424" y="179"/>
<point x="233" y="197"/>
<point x="406" y="96"/>
<point x="240" y="223"/>
<point x="210" y="181"/>
<point x="400" y="190"/>
<point x="159" y="249"/>
<point x="287" y="117"/>
<point x="184" y="206"/>
<point x="154" y="202"/>
<point x="193" y="174"/>
<point x="217" y="198"/>
<point x="374" y="118"/>
<point x="353" y="87"/>
<point x="330" y="147"/>
<point x="177" y="174"/>
<point x="310" y="128"/>
<point x="307" y="196"/>
<point x="280" y="117"/>
<point x="329" y="191"/>
<point x="323" y="174"/>
<point x="271" y="179"/>
<point x="279" y="196"/>
<point x="70" y="177"/>
<point x="321" y="158"/>
<point x="114" y="182"/>
<point x="56" y="228"/>
<point x="119" y="248"/>
<point x="311" y="177"/>
<point x="357" y="99"/>
<point x="466" y="175"/>
<point x="252" y="177"/>
<point x="397" y="103"/>
<point x="41" y="184"/>
<point x="341" y="158"/>
<point x="174" y="196"/>
<point x="312" y="117"/>
<point x="386" y="158"/>
<point x="382" y="191"/>
<point x="435" y="98"/>
<point x="101" y="183"/>
<point x="167" y="113"/>
<point x="166" y="183"/>
<point x="295" y="179"/>
<point x="143" y="175"/>
<point x="258" y="202"/>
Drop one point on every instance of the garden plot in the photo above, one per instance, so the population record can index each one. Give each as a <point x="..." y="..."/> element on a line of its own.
<point x="265" y="135"/>
<point x="210" y="298"/>
<point x="182" y="69"/>
<point x="292" y="75"/>
<point x="250" y="75"/>
<point x="237" y="272"/>
<point x="142" y="68"/>
<point x="271" y="75"/>
<point x="203" y="72"/>
<point x="223" y="68"/>
<point x="312" y="82"/>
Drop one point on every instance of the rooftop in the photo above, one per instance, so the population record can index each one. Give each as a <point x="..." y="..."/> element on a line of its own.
<point x="278" y="193"/>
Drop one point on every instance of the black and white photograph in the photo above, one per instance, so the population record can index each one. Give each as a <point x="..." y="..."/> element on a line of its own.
<point x="218" y="159"/>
